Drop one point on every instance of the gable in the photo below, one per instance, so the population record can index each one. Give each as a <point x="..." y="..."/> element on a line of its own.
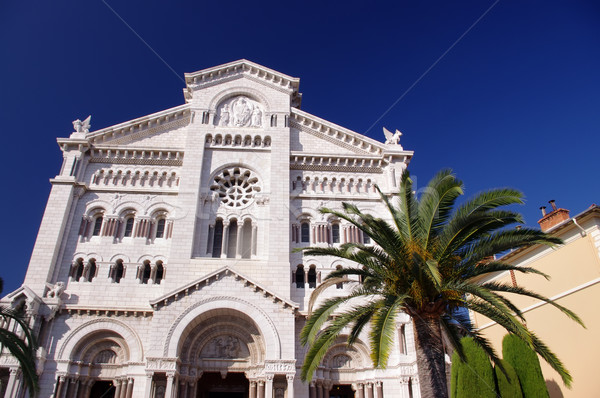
<point x="305" y="140"/>
<point x="321" y="136"/>
<point x="222" y="275"/>
<point x="165" y="129"/>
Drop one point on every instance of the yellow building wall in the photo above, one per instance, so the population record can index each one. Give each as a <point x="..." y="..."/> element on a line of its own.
<point x="570" y="266"/>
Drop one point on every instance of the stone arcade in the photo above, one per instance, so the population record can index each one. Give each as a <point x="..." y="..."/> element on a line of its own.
<point x="163" y="265"/>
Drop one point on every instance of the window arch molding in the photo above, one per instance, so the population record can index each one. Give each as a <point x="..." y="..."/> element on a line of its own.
<point x="231" y="92"/>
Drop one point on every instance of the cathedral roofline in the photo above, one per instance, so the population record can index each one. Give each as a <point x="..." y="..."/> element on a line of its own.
<point x="365" y="145"/>
<point x="216" y="74"/>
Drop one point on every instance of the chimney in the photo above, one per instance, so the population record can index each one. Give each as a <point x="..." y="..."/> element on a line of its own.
<point x="555" y="217"/>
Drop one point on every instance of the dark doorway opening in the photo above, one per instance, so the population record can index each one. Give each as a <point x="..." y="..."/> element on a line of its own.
<point x="341" y="391"/>
<point x="212" y="385"/>
<point x="103" y="389"/>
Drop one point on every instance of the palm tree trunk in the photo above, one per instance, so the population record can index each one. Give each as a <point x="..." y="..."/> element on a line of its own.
<point x="430" y="356"/>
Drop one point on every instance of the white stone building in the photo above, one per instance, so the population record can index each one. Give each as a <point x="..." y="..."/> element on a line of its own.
<point x="163" y="266"/>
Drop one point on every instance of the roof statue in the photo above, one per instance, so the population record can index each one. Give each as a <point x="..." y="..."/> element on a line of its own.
<point x="82" y="127"/>
<point x="392" y="138"/>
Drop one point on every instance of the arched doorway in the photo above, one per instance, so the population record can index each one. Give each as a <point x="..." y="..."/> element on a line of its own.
<point x="217" y="350"/>
<point x="213" y="385"/>
<point x="102" y="389"/>
<point x="341" y="391"/>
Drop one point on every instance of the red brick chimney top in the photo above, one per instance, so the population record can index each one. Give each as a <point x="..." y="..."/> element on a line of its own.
<point x="555" y="217"/>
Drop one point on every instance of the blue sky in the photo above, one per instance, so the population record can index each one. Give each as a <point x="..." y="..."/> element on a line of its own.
<point x="515" y="102"/>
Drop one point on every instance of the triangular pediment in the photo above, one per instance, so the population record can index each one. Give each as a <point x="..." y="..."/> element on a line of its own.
<point x="214" y="277"/>
<point x="247" y="69"/>
<point x="328" y="137"/>
<point x="164" y="129"/>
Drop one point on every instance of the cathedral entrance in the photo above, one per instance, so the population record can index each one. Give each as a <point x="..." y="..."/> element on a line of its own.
<point x="212" y="385"/>
<point x="102" y="389"/>
<point x="341" y="391"/>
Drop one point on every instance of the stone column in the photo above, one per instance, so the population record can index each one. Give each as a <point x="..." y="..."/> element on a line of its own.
<point x="312" y="391"/>
<point x="254" y="239"/>
<point x="88" y="388"/>
<point x="269" y="387"/>
<point x="360" y="390"/>
<point x="370" y="390"/>
<point x="290" y="386"/>
<point x="379" y="388"/>
<point x="239" y="240"/>
<point x="12" y="385"/>
<point x="60" y="388"/>
<point x="252" y="389"/>
<point x="261" y="389"/>
<point x="169" y="389"/>
<point x="319" y="389"/>
<point x="416" y="389"/>
<point x="184" y="389"/>
<point x="129" y="387"/>
<point x="225" y="241"/>
<point x="404" y="393"/>
<point x="195" y="389"/>
<point x="148" y="391"/>
<point x="117" y="388"/>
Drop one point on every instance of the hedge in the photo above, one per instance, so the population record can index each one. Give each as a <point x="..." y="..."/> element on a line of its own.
<point x="527" y="366"/>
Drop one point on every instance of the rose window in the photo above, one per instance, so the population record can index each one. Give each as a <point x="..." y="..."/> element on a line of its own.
<point x="235" y="186"/>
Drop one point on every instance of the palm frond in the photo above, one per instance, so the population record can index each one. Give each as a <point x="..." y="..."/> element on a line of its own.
<point x="495" y="286"/>
<point x="383" y="329"/>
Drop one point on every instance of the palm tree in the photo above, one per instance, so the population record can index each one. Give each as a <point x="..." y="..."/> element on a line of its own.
<point x="23" y="347"/>
<point x="426" y="263"/>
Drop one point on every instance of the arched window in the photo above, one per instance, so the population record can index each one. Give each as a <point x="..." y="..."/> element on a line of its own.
<point x="305" y="232"/>
<point x="91" y="273"/>
<point x="160" y="228"/>
<point x="146" y="272"/>
<point x="218" y="239"/>
<point x="97" y="226"/>
<point x="366" y="239"/>
<point x="118" y="271"/>
<point x="232" y="239"/>
<point x="160" y="272"/>
<point x="339" y="285"/>
<point x="128" y="227"/>
<point x="77" y="271"/>
<point x="335" y="233"/>
<point x="312" y="277"/>
<point x="300" y="277"/>
<point x="247" y="239"/>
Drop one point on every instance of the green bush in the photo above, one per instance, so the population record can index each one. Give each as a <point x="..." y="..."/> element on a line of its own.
<point x="475" y="377"/>
<point x="507" y="388"/>
<point x="454" y="370"/>
<point x="527" y="366"/>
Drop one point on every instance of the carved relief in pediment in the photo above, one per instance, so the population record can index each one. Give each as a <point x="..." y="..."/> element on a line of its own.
<point x="240" y="111"/>
<point x="225" y="347"/>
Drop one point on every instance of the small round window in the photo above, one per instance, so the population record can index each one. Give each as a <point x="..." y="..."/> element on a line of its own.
<point x="236" y="186"/>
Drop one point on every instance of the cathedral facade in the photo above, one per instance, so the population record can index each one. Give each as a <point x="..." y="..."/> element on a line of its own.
<point x="165" y="264"/>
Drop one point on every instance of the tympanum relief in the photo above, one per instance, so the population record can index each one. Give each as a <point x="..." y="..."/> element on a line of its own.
<point x="225" y="347"/>
<point x="240" y="111"/>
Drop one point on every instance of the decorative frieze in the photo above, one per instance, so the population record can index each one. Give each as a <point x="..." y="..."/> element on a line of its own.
<point x="163" y="157"/>
<point x="347" y="163"/>
<point x="135" y="178"/>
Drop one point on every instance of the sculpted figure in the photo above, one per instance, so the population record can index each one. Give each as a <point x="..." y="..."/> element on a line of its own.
<point x="224" y="120"/>
<point x="241" y="112"/>
<point x="256" y="117"/>
<point x="57" y="290"/>
<point x="392" y="138"/>
<point x="82" y="127"/>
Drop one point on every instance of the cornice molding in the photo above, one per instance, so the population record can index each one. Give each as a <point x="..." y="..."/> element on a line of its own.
<point x="178" y="116"/>
<point x="236" y="69"/>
